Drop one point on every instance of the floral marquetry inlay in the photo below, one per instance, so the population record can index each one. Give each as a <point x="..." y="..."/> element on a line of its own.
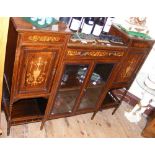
<point x="44" y="38"/>
<point x="36" y="71"/>
<point x="129" y="69"/>
<point x="93" y="53"/>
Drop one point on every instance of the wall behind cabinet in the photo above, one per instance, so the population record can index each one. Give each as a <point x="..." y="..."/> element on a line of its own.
<point x="4" y="23"/>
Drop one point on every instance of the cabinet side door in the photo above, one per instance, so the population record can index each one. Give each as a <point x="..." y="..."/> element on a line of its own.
<point x="37" y="68"/>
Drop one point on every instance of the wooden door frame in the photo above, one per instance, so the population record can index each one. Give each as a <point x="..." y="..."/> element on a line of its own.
<point x="3" y="40"/>
<point x="64" y="63"/>
<point x="95" y="62"/>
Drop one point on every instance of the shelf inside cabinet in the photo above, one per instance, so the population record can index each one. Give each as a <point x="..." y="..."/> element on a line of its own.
<point x="28" y="109"/>
<point x="74" y="87"/>
<point x="75" y="75"/>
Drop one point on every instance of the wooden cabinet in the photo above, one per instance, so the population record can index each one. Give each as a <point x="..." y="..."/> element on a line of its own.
<point x="48" y="76"/>
<point x="32" y="57"/>
<point x="100" y="63"/>
<point x="84" y="77"/>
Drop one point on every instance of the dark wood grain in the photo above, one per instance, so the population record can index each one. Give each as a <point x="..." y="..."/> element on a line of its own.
<point x="35" y="64"/>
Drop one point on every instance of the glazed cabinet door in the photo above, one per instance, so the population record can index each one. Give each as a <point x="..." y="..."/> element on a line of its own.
<point x="95" y="87"/>
<point x="71" y="83"/>
<point x="37" y="68"/>
<point x="130" y="67"/>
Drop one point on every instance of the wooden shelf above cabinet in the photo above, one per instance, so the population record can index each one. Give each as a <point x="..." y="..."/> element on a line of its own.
<point x="22" y="25"/>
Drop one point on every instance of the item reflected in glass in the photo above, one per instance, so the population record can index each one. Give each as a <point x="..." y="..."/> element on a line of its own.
<point x="96" y="84"/>
<point x="69" y="89"/>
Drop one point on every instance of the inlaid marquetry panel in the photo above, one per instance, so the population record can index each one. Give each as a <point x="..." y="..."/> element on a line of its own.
<point x="36" y="70"/>
<point x="42" y="38"/>
<point x="130" y="67"/>
<point x="38" y="67"/>
<point x="94" y="53"/>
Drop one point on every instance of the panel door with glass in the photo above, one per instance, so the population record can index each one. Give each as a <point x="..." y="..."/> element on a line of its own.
<point x="95" y="86"/>
<point x="71" y="83"/>
<point x="79" y="92"/>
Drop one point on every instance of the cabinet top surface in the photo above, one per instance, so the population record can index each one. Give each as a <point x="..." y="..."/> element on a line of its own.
<point x="22" y="25"/>
<point x="132" y="37"/>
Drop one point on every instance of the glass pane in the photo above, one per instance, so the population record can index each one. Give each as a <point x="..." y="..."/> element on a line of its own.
<point x="96" y="83"/>
<point x="69" y="89"/>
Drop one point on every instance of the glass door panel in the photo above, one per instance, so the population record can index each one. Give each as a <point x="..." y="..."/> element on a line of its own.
<point x="69" y="88"/>
<point x="96" y="83"/>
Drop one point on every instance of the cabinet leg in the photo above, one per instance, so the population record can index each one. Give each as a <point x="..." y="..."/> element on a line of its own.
<point x="115" y="109"/>
<point x="8" y="129"/>
<point x="0" y="132"/>
<point x="120" y="101"/>
<point x="42" y="125"/>
<point x="93" y="115"/>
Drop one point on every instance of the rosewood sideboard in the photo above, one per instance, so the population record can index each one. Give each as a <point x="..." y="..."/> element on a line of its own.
<point x="49" y="75"/>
